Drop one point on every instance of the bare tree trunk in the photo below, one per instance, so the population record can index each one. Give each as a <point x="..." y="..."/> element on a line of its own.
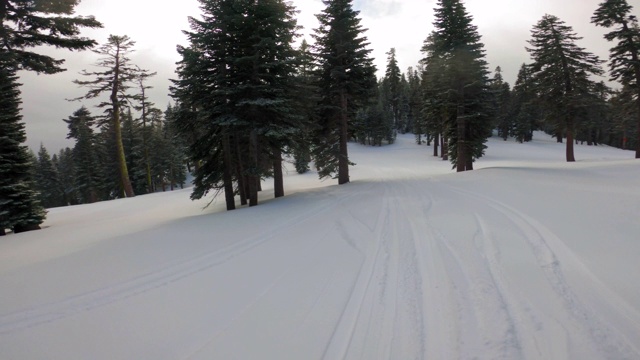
<point x="278" y="182"/>
<point x="444" y="146"/>
<point x="226" y="173"/>
<point x="343" y="160"/>
<point x="253" y="178"/>
<point x="435" y="144"/>
<point x="242" y="186"/>
<point x="461" y="145"/>
<point x="570" y="154"/>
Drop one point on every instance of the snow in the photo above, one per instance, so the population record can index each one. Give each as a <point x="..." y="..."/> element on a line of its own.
<point x="528" y="257"/>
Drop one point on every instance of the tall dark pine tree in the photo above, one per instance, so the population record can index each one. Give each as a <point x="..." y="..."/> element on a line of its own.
<point x="66" y="167"/>
<point x="145" y="107"/>
<point x="525" y="112"/>
<point x="392" y="79"/>
<point x="625" y="55"/>
<point x="457" y="43"/>
<point x="115" y="81"/>
<point x="561" y="72"/>
<point x="235" y="92"/>
<point x="346" y="79"/>
<point x="46" y="180"/>
<point x="25" y="25"/>
<point x="306" y="98"/>
<point x="20" y="209"/>
<point x="437" y="108"/>
<point x="501" y="104"/>
<point x="87" y="179"/>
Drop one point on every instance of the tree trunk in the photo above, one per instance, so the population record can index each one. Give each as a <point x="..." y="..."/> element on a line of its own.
<point x="435" y="144"/>
<point x="278" y="182"/>
<point x="638" y="111"/>
<point x="444" y="148"/>
<point x="226" y="173"/>
<point x="242" y="186"/>
<point x="125" y="183"/>
<point x="253" y="171"/>
<point x="343" y="159"/>
<point x="570" y="154"/>
<point x="461" y="145"/>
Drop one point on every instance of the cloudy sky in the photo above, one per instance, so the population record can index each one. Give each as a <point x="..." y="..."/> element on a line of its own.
<point x="404" y="24"/>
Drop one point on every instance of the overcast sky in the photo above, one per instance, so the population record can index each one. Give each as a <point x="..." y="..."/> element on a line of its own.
<point x="404" y="24"/>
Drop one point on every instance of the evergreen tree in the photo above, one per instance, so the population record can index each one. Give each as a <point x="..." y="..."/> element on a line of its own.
<point x="174" y="160"/>
<point x="132" y="142"/>
<point x="145" y="107"/>
<point x="625" y="55"/>
<point x="525" y="112"/>
<point x="306" y="99"/>
<point x="29" y="24"/>
<point x="87" y="178"/>
<point x="623" y="115"/>
<point x="235" y="89"/>
<point x="20" y="209"/>
<point x="393" y="83"/>
<point x="457" y="45"/>
<point x="437" y="107"/>
<point x="115" y="80"/>
<point x="25" y="25"/>
<point x="346" y="79"/>
<point x="66" y="168"/>
<point x="501" y="104"/>
<point x="561" y="72"/>
<point x="47" y="182"/>
<point x="414" y="113"/>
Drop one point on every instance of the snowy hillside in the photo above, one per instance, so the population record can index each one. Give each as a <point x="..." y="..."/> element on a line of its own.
<point x="526" y="258"/>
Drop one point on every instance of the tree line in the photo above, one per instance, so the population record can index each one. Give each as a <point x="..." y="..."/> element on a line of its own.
<point x="246" y="98"/>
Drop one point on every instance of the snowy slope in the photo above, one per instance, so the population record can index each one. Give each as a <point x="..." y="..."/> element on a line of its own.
<point x="526" y="258"/>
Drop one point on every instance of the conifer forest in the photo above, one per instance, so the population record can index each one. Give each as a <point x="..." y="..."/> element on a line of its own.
<point x="249" y="93"/>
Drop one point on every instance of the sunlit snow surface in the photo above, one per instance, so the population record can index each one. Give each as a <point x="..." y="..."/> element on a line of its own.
<point x="527" y="257"/>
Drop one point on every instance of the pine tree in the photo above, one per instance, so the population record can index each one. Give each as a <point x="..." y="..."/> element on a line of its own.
<point x="47" y="182"/>
<point x="437" y="107"/>
<point x="456" y="44"/>
<point x="501" y="93"/>
<point x="393" y="83"/>
<point x="414" y="113"/>
<point x="132" y="142"/>
<point x="346" y="79"/>
<point x="115" y="80"/>
<point x="525" y="112"/>
<point x="29" y="24"/>
<point x="66" y="168"/>
<point x="625" y="55"/>
<point x="145" y="107"/>
<point x="20" y="209"/>
<point x="235" y="92"/>
<point x="561" y="72"/>
<point x="87" y="178"/>
<point x="23" y="26"/>
<point x="306" y="98"/>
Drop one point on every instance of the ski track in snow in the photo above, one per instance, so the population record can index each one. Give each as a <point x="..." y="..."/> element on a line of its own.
<point x="51" y="312"/>
<point x="607" y="342"/>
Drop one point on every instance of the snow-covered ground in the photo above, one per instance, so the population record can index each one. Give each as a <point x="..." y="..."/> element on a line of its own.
<point x="526" y="258"/>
